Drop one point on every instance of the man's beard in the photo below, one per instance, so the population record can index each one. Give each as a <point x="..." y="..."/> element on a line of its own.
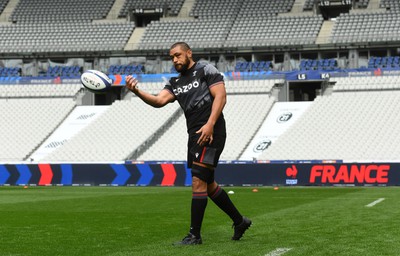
<point x="183" y="67"/>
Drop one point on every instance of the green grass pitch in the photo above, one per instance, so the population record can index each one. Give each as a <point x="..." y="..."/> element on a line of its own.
<point x="119" y="221"/>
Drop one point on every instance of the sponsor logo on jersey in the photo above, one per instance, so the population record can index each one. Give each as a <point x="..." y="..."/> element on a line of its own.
<point x="186" y="88"/>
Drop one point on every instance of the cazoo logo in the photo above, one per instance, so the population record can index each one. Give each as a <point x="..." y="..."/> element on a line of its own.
<point x="284" y="117"/>
<point x="186" y="88"/>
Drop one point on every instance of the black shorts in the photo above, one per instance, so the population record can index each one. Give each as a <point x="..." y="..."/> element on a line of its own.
<point x="207" y="154"/>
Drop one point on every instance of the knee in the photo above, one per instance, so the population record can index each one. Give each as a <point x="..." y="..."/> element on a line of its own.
<point x="198" y="185"/>
<point x="211" y="187"/>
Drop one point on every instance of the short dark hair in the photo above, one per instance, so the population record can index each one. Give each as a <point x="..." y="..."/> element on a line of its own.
<point x="184" y="46"/>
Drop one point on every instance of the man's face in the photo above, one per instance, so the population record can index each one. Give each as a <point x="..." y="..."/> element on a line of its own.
<point x="180" y="58"/>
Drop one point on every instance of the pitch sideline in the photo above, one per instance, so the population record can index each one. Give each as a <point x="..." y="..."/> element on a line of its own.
<point x="375" y="202"/>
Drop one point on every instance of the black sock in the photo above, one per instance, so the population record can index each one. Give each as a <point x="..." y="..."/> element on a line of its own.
<point x="199" y="203"/>
<point x="222" y="200"/>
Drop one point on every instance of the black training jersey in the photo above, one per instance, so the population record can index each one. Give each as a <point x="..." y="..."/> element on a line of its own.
<point x="192" y="90"/>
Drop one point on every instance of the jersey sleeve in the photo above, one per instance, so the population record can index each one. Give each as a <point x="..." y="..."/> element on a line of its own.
<point x="168" y="87"/>
<point x="212" y="75"/>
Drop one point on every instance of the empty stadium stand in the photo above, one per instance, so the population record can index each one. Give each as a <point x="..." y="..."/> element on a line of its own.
<point x="352" y="125"/>
<point x="66" y="36"/>
<point x="210" y="8"/>
<point x="240" y="109"/>
<point x="198" y="33"/>
<point x="40" y="26"/>
<point x="121" y="130"/>
<point x="257" y="31"/>
<point x="72" y="10"/>
<point x="29" y="123"/>
<point x="234" y="24"/>
<point x="366" y="27"/>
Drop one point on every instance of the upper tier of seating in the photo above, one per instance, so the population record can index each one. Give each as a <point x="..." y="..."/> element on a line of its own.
<point x="211" y="8"/>
<point x="253" y="31"/>
<point x="60" y="10"/>
<point x="42" y="27"/>
<point x="64" y="37"/>
<point x="366" y="27"/>
<point x="198" y="33"/>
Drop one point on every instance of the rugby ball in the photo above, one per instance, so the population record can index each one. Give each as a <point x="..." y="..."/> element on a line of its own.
<point x="96" y="81"/>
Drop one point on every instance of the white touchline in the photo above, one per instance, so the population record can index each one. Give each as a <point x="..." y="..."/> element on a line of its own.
<point x="278" y="251"/>
<point x="375" y="202"/>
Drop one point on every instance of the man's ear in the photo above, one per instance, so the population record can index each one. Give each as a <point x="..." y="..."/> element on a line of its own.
<point x="189" y="53"/>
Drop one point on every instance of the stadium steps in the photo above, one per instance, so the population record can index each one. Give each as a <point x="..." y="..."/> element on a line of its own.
<point x="28" y="157"/>
<point x="325" y="32"/>
<point x="298" y="6"/>
<point x="373" y="4"/>
<point x="8" y="10"/>
<point x="115" y="9"/>
<point x="135" y="38"/>
<point x="185" y="9"/>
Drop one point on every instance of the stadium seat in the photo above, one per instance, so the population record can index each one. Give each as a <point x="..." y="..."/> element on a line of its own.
<point x="125" y="69"/>
<point x="10" y="72"/>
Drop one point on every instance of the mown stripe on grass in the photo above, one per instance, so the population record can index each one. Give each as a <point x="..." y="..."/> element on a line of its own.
<point x="375" y="202"/>
<point x="278" y="251"/>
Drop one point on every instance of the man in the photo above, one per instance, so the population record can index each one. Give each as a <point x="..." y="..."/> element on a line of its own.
<point x="200" y="91"/>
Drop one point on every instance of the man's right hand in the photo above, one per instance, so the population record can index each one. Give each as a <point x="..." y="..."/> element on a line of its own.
<point x="131" y="83"/>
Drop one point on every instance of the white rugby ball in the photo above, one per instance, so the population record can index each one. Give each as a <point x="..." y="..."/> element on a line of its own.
<point x="96" y="81"/>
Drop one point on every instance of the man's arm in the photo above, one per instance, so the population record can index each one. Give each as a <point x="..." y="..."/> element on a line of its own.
<point x="219" y="94"/>
<point x="157" y="101"/>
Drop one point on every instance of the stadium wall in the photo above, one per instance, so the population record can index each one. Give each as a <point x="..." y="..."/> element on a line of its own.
<point x="315" y="173"/>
